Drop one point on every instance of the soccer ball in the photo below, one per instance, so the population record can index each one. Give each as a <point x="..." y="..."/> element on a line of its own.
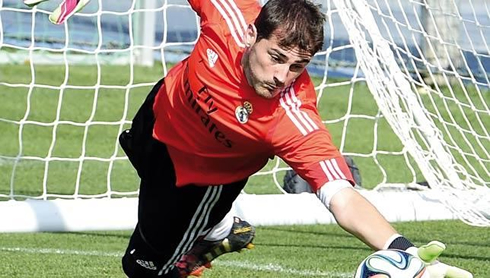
<point x="391" y="264"/>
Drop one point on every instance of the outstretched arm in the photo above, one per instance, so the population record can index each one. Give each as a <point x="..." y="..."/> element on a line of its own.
<point x="358" y="216"/>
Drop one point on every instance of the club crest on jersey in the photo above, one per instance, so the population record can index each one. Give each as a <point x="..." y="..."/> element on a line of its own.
<point x="212" y="57"/>
<point x="247" y="105"/>
<point x="241" y="114"/>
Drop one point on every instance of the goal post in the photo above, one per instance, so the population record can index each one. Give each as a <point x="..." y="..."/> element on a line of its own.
<point x="144" y="33"/>
<point x="403" y="87"/>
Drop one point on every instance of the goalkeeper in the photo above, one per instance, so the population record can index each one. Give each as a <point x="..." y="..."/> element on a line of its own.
<point x="65" y="10"/>
<point x="242" y="97"/>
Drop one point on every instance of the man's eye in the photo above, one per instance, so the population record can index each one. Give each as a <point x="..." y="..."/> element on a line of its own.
<point x="275" y="58"/>
<point x="296" y="68"/>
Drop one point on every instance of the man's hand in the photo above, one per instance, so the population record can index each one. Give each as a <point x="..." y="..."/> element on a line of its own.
<point x="66" y="9"/>
<point x="429" y="254"/>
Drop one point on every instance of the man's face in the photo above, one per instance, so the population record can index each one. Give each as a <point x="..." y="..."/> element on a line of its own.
<point x="270" y="68"/>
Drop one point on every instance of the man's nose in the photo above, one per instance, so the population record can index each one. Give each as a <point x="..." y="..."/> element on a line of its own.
<point x="281" y="74"/>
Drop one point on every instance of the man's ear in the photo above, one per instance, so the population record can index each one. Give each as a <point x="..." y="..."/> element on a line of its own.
<point x="250" y="35"/>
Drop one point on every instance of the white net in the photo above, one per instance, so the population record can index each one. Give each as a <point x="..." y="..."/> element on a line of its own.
<point x="433" y="99"/>
<point x="403" y="86"/>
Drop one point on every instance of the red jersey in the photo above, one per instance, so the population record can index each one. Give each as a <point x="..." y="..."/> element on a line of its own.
<point x="218" y="130"/>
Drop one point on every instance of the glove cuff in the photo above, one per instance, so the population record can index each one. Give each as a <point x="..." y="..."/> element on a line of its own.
<point x="399" y="242"/>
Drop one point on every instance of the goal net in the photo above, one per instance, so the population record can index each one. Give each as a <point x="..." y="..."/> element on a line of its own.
<point x="403" y="87"/>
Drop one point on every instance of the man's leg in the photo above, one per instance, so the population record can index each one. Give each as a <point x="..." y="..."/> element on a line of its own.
<point x="170" y="218"/>
<point x="140" y="260"/>
<point x="222" y="229"/>
<point x="230" y="235"/>
<point x="170" y="221"/>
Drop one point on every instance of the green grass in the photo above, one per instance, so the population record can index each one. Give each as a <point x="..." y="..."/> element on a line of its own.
<point x="285" y="251"/>
<point x="55" y="124"/>
<point x="281" y="251"/>
<point x="79" y="106"/>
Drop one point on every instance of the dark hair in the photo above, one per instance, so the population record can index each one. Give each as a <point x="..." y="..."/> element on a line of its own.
<point x="299" y="24"/>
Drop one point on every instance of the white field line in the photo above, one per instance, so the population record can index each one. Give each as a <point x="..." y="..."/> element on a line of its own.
<point x="277" y="268"/>
<point x="237" y="264"/>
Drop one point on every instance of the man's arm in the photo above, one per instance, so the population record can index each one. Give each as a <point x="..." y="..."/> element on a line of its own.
<point x="358" y="216"/>
<point x="196" y="6"/>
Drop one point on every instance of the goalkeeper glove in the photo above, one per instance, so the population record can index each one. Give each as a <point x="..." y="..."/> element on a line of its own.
<point x="429" y="254"/>
<point x="66" y="9"/>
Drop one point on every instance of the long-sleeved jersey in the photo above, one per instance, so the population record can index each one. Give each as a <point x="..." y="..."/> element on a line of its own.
<point x="218" y="130"/>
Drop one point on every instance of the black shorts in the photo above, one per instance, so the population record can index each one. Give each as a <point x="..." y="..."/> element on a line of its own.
<point x="170" y="218"/>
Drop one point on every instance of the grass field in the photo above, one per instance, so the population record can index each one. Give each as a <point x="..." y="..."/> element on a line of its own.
<point x="54" y="125"/>
<point x="84" y="122"/>
<point x="76" y="130"/>
<point x="281" y="252"/>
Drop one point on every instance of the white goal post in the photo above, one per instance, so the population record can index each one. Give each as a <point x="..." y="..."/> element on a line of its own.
<point x="403" y="86"/>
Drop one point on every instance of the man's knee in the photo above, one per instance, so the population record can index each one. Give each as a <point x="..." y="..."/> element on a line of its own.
<point x="138" y="268"/>
<point x="126" y="142"/>
<point x="140" y="261"/>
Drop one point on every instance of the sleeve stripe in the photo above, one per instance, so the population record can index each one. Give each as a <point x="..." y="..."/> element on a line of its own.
<point x="239" y="14"/>
<point x="326" y="171"/>
<point x="291" y="116"/>
<point x="332" y="170"/>
<point x="292" y="105"/>
<point x="308" y="121"/>
<point x="337" y="168"/>
<point x="233" y="18"/>
<point x="234" y="15"/>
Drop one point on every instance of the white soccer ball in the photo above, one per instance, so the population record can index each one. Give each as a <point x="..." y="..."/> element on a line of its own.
<point x="392" y="264"/>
